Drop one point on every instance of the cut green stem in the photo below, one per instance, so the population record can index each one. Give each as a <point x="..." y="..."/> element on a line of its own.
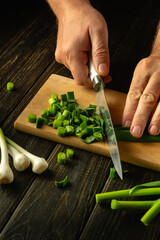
<point x="151" y="213"/>
<point x="115" y="204"/>
<point x="126" y="193"/>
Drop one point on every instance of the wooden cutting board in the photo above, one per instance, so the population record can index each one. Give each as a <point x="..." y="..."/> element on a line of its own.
<point x="141" y="154"/>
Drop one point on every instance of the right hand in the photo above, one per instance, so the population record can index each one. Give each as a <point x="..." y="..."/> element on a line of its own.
<point x="82" y="29"/>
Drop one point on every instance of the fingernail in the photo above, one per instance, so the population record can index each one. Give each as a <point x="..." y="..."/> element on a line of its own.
<point x="103" y="68"/>
<point x="137" y="131"/>
<point x="153" y="130"/>
<point x="127" y="123"/>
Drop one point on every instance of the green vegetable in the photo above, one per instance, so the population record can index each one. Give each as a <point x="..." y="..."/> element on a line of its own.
<point x="151" y="213"/>
<point x="86" y="124"/>
<point x="72" y="107"/>
<point x="98" y="136"/>
<point x="10" y="86"/>
<point x="31" y="118"/>
<point x="61" y="131"/>
<point x="145" y="185"/>
<point x="39" y="122"/>
<point x="123" y="134"/>
<point x="65" y="123"/>
<point x="69" y="130"/>
<point x="126" y="193"/>
<point x="61" y="184"/>
<point x="51" y="111"/>
<point x="70" y="97"/>
<point x="66" y="114"/>
<point x="131" y="204"/>
<point x="61" y="117"/>
<point x="55" y="97"/>
<point x="64" y="97"/>
<point x="112" y="173"/>
<point x="38" y="164"/>
<point x="6" y="174"/>
<point x="57" y="123"/>
<point x="70" y="153"/>
<point x="61" y="158"/>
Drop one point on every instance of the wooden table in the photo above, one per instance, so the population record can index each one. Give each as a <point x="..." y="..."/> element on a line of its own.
<point x="32" y="207"/>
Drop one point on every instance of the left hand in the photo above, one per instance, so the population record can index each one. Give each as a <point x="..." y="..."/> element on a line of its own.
<point x="142" y="98"/>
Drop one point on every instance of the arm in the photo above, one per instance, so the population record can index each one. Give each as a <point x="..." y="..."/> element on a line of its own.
<point x="80" y="29"/>
<point x="144" y="94"/>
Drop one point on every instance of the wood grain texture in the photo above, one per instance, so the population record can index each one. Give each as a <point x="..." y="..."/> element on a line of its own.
<point x="142" y="154"/>
<point x="32" y="208"/>
<point x="64" y="212"/>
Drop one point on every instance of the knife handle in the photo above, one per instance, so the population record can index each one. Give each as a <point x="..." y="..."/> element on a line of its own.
<point x="95" y="78"/>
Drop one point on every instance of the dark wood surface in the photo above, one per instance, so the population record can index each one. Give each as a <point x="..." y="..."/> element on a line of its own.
<point x="32" y="207"/>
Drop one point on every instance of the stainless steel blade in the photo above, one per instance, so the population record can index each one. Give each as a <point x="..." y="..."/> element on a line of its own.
<point x="109" y="130"/>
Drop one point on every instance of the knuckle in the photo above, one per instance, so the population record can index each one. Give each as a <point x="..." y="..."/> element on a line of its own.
<point x="148" y="98"/>
<point x="135" y="94"/>
<point x="144" y="63"/>
<point x="78" y="81"/>
<point x="156" y="75"/>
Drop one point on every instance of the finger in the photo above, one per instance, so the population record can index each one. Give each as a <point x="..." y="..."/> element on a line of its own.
<point x="145" y="106"/>
<point x="139" y="82"/>
<point x="100" y="52"/>
<point x="154" y="126"/>
<point x="78" y="66"/>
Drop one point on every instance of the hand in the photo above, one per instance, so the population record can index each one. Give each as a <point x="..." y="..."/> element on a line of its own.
<point x="142" y="98"/>
<point x="81" y="28"/>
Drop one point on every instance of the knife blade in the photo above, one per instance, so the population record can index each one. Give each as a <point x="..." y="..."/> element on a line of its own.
<point x="101" y="102"/>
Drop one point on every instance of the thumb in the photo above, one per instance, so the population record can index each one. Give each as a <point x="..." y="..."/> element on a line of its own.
<point x="100" y="52"/>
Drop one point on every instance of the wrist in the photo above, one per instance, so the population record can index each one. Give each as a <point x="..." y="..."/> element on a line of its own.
<point x="59" y="6"/>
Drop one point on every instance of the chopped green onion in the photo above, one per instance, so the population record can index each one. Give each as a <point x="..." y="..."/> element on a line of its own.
<point x="61" y="117"/>
<point x="31" y="118"/>
<point x="98" y="136"/>
<point x="61" y="158"/>
<point x="70" y="97"/>
<point x="69" y="130"/>
<point x="57" y="123"/>
<point x="55" y="97"/>
<point x="66" y="114"/>
<point x="61" y="184"/>
<point x="10" y="86"/>
<point x="70" y="153"/>
<point x="61" y="131"/>
<point x="65" y="123"/>
<point x="112" y="173"/>
<point x="64" y="97"/>
<point x="39" y="122"/>
<point x="51" y="111"/>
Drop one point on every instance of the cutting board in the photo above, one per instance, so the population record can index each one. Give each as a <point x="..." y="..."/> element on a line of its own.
<point x="141" y="154"/>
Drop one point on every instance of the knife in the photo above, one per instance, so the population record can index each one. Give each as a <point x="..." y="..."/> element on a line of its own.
<point x="101" y="102"/>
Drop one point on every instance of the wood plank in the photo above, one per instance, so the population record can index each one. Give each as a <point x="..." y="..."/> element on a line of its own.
<point x="59" y="213"/>
<point x="122" y="224"/>
<point x="141" y="154"/>
<point x="25" y="60"/>
<point x="125" y="224"/>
